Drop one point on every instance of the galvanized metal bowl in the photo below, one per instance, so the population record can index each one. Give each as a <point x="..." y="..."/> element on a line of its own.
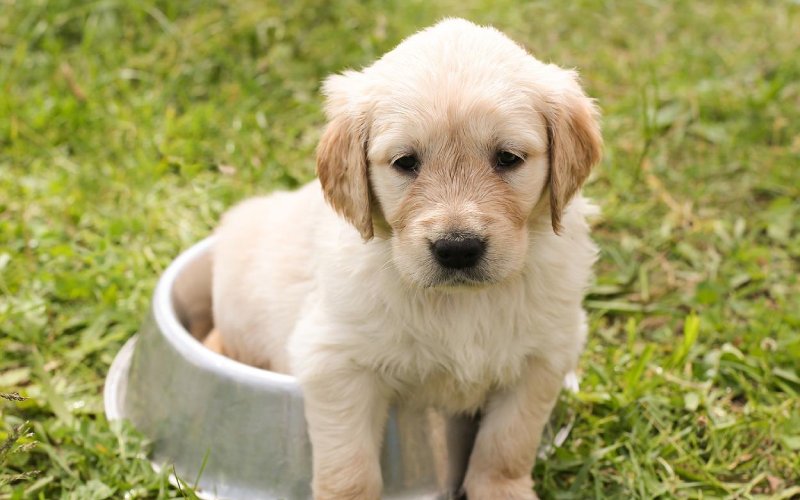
<point x="242" y="429"/>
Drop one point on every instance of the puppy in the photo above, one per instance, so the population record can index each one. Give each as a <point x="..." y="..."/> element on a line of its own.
<point x="440" y="260"/>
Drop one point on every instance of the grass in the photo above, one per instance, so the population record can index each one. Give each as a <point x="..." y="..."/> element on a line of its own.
<point x="127" y="127"/>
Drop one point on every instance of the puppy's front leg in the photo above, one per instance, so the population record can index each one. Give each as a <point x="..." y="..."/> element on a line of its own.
<point x="511" y="428"/>
<point x="346" y="413"/>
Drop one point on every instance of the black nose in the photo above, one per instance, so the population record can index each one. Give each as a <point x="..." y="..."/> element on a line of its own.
<point x="458" y="253"/>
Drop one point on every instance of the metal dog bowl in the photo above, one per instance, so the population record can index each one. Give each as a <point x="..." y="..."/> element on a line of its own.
<point x="241" y="430"/>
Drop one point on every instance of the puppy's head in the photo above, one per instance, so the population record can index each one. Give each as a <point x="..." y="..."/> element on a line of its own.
<point x="451" y="145"/>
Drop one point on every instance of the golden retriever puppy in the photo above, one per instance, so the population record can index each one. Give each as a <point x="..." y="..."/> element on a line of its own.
<point x="440" y="260"/>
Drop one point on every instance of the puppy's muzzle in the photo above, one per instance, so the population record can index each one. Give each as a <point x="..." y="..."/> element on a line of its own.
<point x="458" y="252"/>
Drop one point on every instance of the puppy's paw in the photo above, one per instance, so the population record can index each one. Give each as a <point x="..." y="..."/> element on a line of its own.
<point x="488" y="488"/>
<point x="346" y="490"/>
<point x="213" y="341"/>
<point x="352" y="482"/>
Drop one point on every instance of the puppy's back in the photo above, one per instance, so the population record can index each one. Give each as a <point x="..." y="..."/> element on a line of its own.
<point x="262" y="272"/>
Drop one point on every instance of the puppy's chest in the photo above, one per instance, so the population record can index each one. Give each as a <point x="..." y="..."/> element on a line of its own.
<point x="452" y="356"/>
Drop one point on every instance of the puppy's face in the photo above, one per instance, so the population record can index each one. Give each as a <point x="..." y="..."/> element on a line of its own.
<point x="450" y="146"/>
<point x="457" y="171"/>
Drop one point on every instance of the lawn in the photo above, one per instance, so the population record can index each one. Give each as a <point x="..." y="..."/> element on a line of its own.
<point x="127" y="127"/>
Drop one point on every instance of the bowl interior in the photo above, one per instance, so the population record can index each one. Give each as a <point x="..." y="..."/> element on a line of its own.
<point x="191" y="296"/>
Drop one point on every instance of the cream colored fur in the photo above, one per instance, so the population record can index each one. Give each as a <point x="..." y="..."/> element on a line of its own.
<point x="356" y="306"/>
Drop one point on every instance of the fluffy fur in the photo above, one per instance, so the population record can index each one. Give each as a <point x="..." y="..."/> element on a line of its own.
<point x="336" y="283"/>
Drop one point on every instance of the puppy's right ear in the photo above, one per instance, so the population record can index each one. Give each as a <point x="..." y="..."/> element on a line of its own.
<point x="342" y="155"/>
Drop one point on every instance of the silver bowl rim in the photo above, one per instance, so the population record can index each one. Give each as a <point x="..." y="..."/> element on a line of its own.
<point x="192" y="350"/>
<point x="188" y="347"/>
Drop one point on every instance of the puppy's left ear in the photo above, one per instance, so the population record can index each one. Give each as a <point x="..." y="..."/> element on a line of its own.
<point x="342" y="155"/>
<point x="575" y="143"/>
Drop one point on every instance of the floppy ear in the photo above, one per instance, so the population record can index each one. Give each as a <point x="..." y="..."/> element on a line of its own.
<point x="342" y="155"/>
<point x="574" y="143"/>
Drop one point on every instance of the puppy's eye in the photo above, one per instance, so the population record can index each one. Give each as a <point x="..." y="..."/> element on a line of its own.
<point x="506" y="159"/>
<point x="408" y="163"/>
